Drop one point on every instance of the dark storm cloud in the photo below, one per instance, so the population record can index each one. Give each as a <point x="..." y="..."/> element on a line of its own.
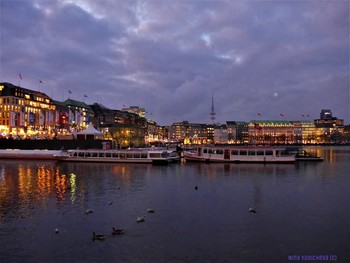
<point x="272" y="57"/>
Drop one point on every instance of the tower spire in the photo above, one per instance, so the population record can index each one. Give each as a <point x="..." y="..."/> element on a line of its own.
<point x="212" y="113"/>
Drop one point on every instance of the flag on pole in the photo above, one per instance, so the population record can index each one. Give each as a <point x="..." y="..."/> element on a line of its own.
<point x="69" y="92"/>
<point x="257" y="127"/>
<point x="20" y="76"/>
<point x="85" y="96"/>
<point x="40" y="81"/>
<point x="259" y="114"/>
<point x="281" y="115"/>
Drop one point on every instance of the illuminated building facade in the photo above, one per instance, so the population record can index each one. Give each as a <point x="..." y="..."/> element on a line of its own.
<point x="329" y="129"/>
<point x="127" y="130"/>
<point x="25" y="112"/>
<point x="221" y="134"/>
<point x="137" y="110"/>
<point x="270" y="132"/>
<point x="191" y="133"/>
<point x="80" y="114"/>
<point x="62" y="116"/>
<point x="237" y="132"/>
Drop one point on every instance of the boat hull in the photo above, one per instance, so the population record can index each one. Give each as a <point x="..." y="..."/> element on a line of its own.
<point x="28" y="154"/>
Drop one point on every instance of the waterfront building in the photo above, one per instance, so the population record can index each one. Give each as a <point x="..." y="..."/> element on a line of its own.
<point x="191" y="133"/>
<point x="80" y="114"/>
<point x="136" y="109"/>
<point x="103" y="116"/>
<point x="221" y="134"/>
<point x="329" y="129"/>
<point x="237" y="132"/>
<point x="62" y="114"/>
<point x="156" y="134"/>
<point x="270" y="132"/>
<point x="304" y="132"/>
<point x="127" y="130"/>
<point x="25" y="112"/>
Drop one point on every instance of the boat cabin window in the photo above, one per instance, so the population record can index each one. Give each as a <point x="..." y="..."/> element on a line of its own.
<point x="219" y="151"/>
<point x="129" y="155"/>
<point x="154" y="155"/>
<point x="122" y="155"/>
<point x="136" y="155"/>
<point x="205" y="150"/>
<point x="108" y="154"/>
<point x="144" y="155"/>
<point x="251" y="152"/>
<point x="234" y="152"/>
<point x="210" y="151"/>
<point x="268" y="152"/>
<point x="243" y="152"/>
<point x="81" y="154"/>
<point x="101" y="155"/>
<point x="259" y="152"/>
<point x="75" y="154"/>
<point x="115" y="155"/>
<point x="93" y="154"/>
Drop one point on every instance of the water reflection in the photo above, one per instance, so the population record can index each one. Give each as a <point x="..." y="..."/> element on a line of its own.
<point x="37" y="197"/>
<point x="25" y="185"/>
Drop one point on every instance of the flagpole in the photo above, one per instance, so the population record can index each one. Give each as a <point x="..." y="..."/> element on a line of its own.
<point x="19" y="79"/>
<point x="40" y="82"/>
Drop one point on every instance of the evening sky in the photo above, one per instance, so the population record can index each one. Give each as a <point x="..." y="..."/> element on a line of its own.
<point x="281" y="59"/>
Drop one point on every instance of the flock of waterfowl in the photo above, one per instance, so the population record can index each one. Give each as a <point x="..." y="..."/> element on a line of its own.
<point x="140" y="219"/>
<point x="117" y="231"/>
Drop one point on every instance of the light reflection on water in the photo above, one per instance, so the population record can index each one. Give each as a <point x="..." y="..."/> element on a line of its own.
<point x="300" y="211"/>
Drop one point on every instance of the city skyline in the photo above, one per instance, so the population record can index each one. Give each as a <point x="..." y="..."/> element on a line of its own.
<point x="271" y="58"/>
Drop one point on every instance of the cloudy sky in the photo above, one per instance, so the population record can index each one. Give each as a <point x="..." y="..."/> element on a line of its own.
<point x="171" y="57"/>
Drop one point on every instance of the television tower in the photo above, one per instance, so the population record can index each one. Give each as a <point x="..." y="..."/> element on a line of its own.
<point x="212" y="113"/>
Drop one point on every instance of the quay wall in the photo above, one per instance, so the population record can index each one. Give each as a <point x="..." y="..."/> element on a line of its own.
<point x="52" y="144"/>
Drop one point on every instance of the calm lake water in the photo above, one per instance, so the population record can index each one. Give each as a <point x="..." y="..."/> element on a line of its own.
<point x="302" y="211"/>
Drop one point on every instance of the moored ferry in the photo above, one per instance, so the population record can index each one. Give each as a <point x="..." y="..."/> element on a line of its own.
<point x="253" y="154"/>
<point x="152" y="156"/>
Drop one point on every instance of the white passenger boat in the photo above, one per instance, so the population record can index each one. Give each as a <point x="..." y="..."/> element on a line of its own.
<point x="119" y="156"/>
<point x="254" y="154"/>
<point x="28" y="154"/>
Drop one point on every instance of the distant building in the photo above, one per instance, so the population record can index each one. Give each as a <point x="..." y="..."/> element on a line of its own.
<point x="104" y="117"/>
<point x="81" y="114"/>
<point x="326" y="114"/>
<point x="237" y="132"/>
<point x="270" y="132"/>
<point x="136" y="109"/>
<point x="190" y="133"/>
<point x="329" y="129"/>
<point x="25" y="112"/>
<point x="220" y="134"/>
<point x="62" y="116"/>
